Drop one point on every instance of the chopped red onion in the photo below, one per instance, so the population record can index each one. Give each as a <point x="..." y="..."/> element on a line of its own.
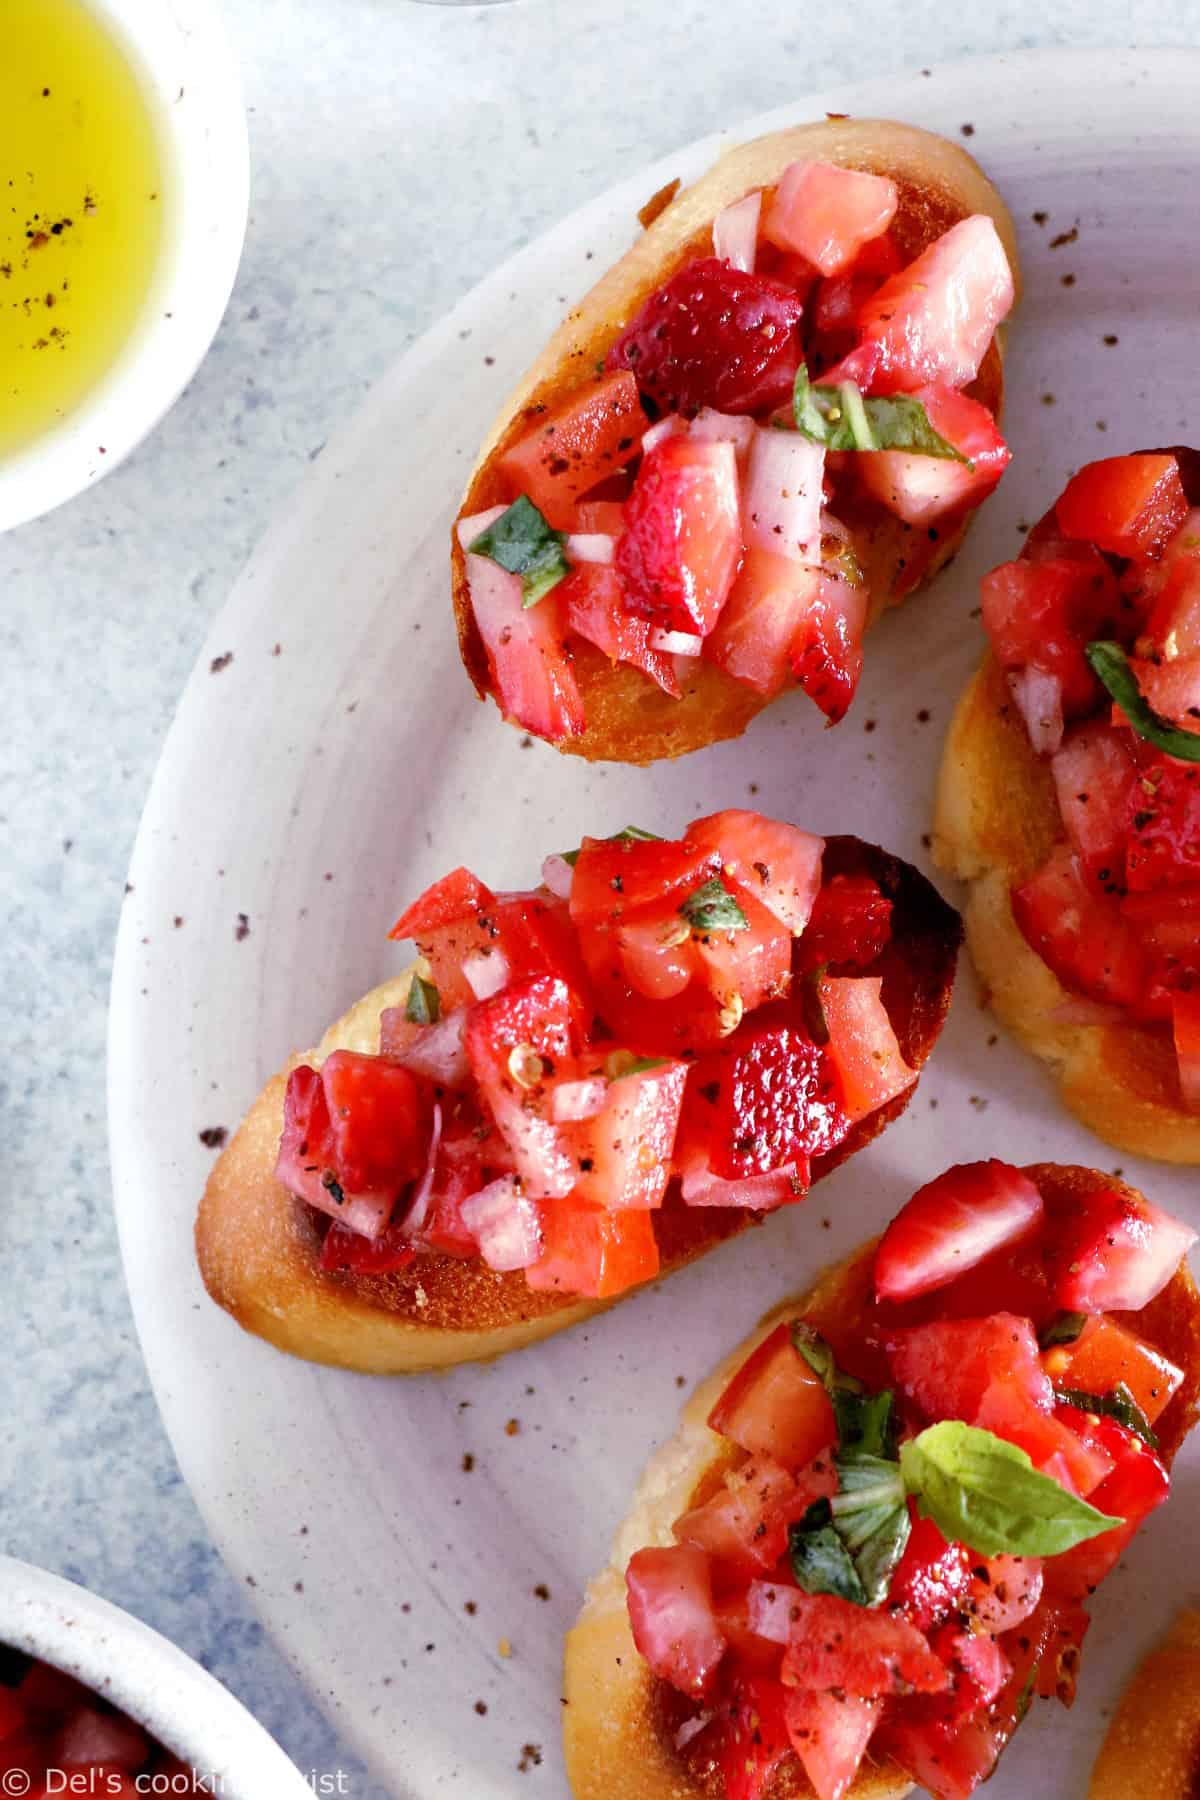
<point x="574" y="1100"/>
<point x="557" y="875"/>
<point x="589" y="547"/>
<point x="735" y="231"/>
<point x="781" y="503"/>
<point x="676" y="643"/>
<point x="415" y="1217"/>
<point x="440" y="1052"/>
<point x="1038" y="698"/>
<point x="486" y="973"/>
<point x="505" y="1223"/>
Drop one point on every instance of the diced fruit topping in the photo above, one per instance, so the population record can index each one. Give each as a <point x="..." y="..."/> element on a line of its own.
<point x="671" y="1611"/>
<point x="577" y="446"/>
<point x="830" y="1732"/>
<point x="1114" y="1253"/>
<point x="593" y="1251"/>
<point x="922" y="489"/>
<point x="683" y="540"/>
<point x="826" y="213"/>
<point x="1127" y="505"/>
<point x="862" y="1043"/>
<point x="713" y="336"/>
<point x="593" y="599"/>
<point x="953" y="1223"/>
<point x="835" y="1645"/>
<point x="531" y="672"/>
<point x="776" y="1405"/>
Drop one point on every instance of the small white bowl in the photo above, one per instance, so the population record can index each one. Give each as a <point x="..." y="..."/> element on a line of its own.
<point x="184" y="63"/>
<point x="118" y="1657"/>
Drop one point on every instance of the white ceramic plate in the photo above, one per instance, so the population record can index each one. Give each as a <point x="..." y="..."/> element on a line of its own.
<point x="340" y="762"/>
<point x="149" y="1678"/>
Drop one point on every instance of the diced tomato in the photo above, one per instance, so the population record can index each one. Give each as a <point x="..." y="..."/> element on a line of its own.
<point x="1082" y="935"/>
<point x="578" y="445"/>
<point x="1171" y="689"/>
<point x="514" y="1040"/>
<point x="857" y="1650"/>
<point x="616" y="877"/>
<point x="1004" y="1590"/>
<point x="1167" y="921"/>
<point x="745" y="967"/>
<point x="349" y="1253"/>
<point x="1039" y="613"/>
<point x="652" y="957"/>
<point x="1127" y="505"/>
<point x="862" y="1043"/>
<point x="531" y="670"/>
<point x="1093" y="776"/>
<point x="748" y="1738"/>
<point x="1113" y="1251"/>
<point x="932" y="1578"/>
<point x="953" y="1223"/>
<point x="591" y="1251"/>
<point x="682" y="545"/>
<point x="967" y="1368"/>
<point x="775" y="862"/>
<point x="533" y="933"/>
<point x="921" y="489"/>
<point x="764" y="1100"/>
<point x="594" y="602"/>
<point x="1058" y="1666"/>
<point x="1137" y="1485"/>
<point x="768" y="606"/>
<point x="829" y="1733"/>
<point x="1105" y="1355"/>
<point x="1185" y="1025"/>
<point x="623" y="1155"/>
<point x="776" y="1405"/>
<point x="355" y="1134"/>
<point x="826" y="213"/>
<point x="935" y="319"/>
<point x="850" y="927"/>
<point x="48" y="1695"/>
<point x="745" y="1523"/>
<point x="459" y="895"/>
<point x="978" y="1667"/>
<point x="1162" y="846"/>
<point x="714" y="336"/>
<point x="671" y="1611"/>
<point x="826" y="650"/>
<point x="1174" y="579"/>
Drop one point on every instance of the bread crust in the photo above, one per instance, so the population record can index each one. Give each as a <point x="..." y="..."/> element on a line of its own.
<point x="995" y="820"/>
<point x="1152" y="1747"/>
<point x="258" y="1246"/>
<point x="617" y="1725"/>
<point x="629" y="719"/>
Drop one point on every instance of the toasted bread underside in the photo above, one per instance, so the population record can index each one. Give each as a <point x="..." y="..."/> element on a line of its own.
<point x="996" y="818"/>
<point x="1152" y="1748"/>
<point x="630" y="719"/>
<point x="619" y="1720"/>
<point x="258" y="1247"/>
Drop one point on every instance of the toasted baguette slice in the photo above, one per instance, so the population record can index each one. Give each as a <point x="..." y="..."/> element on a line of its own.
<point x="619" y="1720"/>
<point x="258" y="1246"/>
<point x="1152" y="1749"/>
<point x="995" y="820"/>
<point x="629" y="719"/>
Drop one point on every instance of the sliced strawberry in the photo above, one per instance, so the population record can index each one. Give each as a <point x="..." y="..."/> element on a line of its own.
<point x="1127" y="505"/>
<point x="1093" y="775"/>
<point x="713" y="336"/>
<point x="951" y="1224"/>
<point x="575" y="447"/>
<point x="1082" y="935"/>
<point x="349" y="1253"/>
<point x="531" y="671"/>
<point x="850" y="927"/>
<point x="966" y="1368"/>
<point x="1162" y="843"/>
<point x="514" y="1041"/>
<point x="778" y="864"/>
<point x="862" y="1043"/>
<point x="776" y="1405"/>
<point x="683" y="540"/>
<point x="1113" y="1252"/>
<point x="765" y="1100"/>
<point x="671" y="1612"/>
<point x="857" y="1651"/>
<point x="1137" y="1485"/>
<point x="459" y="895"/>
<point x="923" y="489"/>
<point x="826" y="649"/>
<point x="932" y="1578"/>
<point x="829" y="1733"/>
<point x="748" y="1739"/>
<point x="768" y="608"/>
<point x="826" y="213"/>
<point x="1039" y="613"/>
<point x="594" y="603"/>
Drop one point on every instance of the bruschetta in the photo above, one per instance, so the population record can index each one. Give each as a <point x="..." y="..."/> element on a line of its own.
<point x="769" y="421"/>
<point x="1069" y="799"/>
<point x="577" y="1089"/>
<point x="872" y="1539"/>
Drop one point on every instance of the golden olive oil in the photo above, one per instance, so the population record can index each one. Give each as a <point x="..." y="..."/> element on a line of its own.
<point x="82" y="207"/>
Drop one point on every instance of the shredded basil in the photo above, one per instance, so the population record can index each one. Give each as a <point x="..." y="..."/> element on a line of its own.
<point x="713" y="908"/>
<point x="870" y="1515"/>
<point x="424" y="1004"/>
<point x="1119" y="1405"/>
<point x="1063" y="1328"/>
<point x="522" y="542"/>
<point x="630" y="834"/>
<point x="820" y="1561"/>
<point x="813" y="1006"/>
<point x="1110" y="663"/>
<point x="843" y="418"/>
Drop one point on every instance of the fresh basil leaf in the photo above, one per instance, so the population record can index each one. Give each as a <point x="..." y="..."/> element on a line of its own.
<point x="633" y="834"/>
<point x="1119" y="1405"/>
<point x="984" y="1492"/>
<point x="812" y="1006"/>
<point x="1063" y="1328"/>
<point x="870" y="1516"/>
<point x="843" y="418"/>
<point x="819" y="1356"/>
<point x="865" y="1422"/>
<point x="423" y="1005"/>
<point x="1110" y="663"/>
<point x="522" y="542"/>
<point x="822" y="1564"/>
<point x="570" y="857"/>
<point x="713" y="908"/>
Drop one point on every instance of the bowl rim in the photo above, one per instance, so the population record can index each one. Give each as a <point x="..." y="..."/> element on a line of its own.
<point x="134" y="1667"/>
<point x="183" y="60"/>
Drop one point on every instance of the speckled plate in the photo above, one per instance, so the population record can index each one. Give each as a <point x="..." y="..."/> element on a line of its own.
<point x="418" y="1547"/>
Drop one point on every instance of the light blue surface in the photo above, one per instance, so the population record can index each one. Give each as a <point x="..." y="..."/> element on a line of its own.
<point x="400" y="151"/>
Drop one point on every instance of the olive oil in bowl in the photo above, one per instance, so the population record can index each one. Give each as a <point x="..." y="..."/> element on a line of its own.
<point x="82" y="209"/>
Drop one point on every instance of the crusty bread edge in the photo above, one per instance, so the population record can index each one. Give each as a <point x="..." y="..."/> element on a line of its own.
<point x="613" y="1740"/>
<point x="635" y="723"/>
<point x="995" y="819"/>
<point x="1152" y="1746"/>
